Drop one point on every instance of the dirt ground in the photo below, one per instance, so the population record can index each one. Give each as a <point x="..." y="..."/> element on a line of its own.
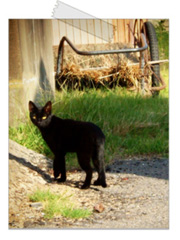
<point x="137" y="196"/>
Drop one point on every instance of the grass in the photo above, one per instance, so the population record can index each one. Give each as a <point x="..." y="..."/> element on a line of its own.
<point x="58" y="204"/>
<point x="163" y="38"/>
<point x="132" y="124"/>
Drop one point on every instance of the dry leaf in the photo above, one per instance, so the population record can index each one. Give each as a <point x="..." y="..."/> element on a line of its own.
<point x="99" y="208"/>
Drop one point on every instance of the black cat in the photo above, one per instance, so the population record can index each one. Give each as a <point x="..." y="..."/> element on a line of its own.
<point x="66" y="135"/>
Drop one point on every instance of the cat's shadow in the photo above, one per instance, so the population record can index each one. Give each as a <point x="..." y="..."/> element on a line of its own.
<point x="25" y="163"/>
<point x="46" y="176"/>
<point x="75" y="184"/>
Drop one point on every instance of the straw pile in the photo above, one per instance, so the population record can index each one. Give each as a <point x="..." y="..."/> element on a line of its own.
<point x="99" y="71"/>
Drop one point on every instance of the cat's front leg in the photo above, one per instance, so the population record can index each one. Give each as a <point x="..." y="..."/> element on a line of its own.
<point x="56" y="168"/>
<point x="59" y="167"/>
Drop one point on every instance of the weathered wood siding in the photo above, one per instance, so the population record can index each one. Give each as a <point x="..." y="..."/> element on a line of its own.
<point x="93" y="31"/>
<point x="31" y="65"/>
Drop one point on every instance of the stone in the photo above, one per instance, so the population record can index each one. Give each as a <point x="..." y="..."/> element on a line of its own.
<point x="36" y="204"/>
<point x="99" y="208"/>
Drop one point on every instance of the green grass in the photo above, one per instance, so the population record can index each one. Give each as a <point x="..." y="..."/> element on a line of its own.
<point x="58" y="204"/>
<point x="163" y="39"/>
<point x="132" y="124"/>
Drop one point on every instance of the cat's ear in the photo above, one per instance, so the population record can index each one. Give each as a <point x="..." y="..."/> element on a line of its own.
<point x="32" y="106"/>
<point x="48" y="107"/>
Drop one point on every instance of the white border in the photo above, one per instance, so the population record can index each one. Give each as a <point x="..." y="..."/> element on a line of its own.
<point x="101" y="9"/>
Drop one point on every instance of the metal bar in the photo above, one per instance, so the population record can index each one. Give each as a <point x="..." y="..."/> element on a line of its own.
<point x="129" y="64"/>
<point x="162" y="82"/>
<point x="116" y="51"/>
<point x="149" y="62"/>
<point x="142" y="64"/>
<point x="158" y="61"/>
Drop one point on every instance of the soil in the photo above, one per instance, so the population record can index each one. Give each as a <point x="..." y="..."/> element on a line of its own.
<point x="137" y="196"/>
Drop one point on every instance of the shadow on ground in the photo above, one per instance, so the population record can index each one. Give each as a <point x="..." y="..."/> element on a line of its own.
<point x="24" y="162"/>
<point x="156" y="168"/>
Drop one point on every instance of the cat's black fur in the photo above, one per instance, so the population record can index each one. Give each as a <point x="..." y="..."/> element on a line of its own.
<point x="66" y="135"/>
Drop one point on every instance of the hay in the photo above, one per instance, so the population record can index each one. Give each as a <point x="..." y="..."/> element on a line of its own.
<point x="110" y="70"/>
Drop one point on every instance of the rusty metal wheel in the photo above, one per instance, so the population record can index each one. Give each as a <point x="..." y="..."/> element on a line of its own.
<point x="153" y="54"/>
<point x="139" y="28"/>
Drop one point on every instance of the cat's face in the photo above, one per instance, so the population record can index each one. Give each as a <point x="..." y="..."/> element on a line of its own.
<point x="41" y="117"/>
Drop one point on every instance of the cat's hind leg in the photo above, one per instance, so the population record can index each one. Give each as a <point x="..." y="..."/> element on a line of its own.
<point x="98" y="161"/>
<point x="84" y="162"/>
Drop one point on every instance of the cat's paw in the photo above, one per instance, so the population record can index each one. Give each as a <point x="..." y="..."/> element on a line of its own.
<point x="61" y="180"/>
<point x="97" y="182"/>
<point x="104" y="185"/>
<point x="85" y="186"/>
<point x="56" y="174"/>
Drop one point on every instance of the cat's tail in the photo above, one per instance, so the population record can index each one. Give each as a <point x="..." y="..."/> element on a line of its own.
<point x="98" y="161"/>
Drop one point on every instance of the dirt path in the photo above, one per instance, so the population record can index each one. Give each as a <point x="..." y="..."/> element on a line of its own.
<point x="136" y="196"/>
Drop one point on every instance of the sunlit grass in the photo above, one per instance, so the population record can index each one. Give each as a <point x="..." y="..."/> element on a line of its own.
<point x="165" y="75"/>
<point x="58" y="204"/>
<point x="132" y="124"/>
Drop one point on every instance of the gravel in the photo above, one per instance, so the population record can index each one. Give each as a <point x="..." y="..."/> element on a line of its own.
<point x="137" y="196"/>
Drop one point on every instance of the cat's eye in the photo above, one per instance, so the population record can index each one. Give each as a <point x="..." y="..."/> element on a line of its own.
<point x="44" y="117"/>
<point x="34" y="116"/>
